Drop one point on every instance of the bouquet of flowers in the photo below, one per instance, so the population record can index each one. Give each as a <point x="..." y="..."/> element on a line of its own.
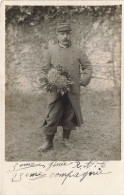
<point x="57" y="79"/>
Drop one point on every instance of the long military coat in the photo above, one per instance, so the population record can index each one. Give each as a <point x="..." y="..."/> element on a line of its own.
<point x="75" y="60"/>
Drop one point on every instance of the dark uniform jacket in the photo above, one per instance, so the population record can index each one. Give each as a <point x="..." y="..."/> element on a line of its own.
<point x="75" y="60"/>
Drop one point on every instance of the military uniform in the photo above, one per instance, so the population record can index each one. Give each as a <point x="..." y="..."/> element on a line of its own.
<point x="65" y="110"/>
<point x="71" y="58"/>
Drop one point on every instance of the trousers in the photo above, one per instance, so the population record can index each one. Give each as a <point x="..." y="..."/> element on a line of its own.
<point x="61" y="114"/>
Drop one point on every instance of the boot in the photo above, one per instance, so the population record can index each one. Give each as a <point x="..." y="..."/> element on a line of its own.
<point x="65" y="140"/>
<point x="48" y="145"/>
<point x="66" y="134"/>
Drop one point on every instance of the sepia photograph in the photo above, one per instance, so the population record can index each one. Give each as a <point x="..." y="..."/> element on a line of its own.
<point x="63" y="82"/>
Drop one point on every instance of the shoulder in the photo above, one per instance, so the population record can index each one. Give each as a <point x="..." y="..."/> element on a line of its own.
<point x="50" y="51"/>
<point x="77" y="50"/>
<point x="53" y="48"/>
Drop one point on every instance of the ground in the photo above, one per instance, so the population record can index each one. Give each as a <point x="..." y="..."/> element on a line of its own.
<point x="99" y="138"/>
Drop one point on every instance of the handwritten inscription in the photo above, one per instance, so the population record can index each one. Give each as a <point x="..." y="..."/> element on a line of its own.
<point x="20" y="166"/>
<point x="63" y="170"/>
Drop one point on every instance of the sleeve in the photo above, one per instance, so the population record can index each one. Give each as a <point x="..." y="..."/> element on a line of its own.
<point x="86" y="69"/>
<point x="46" y="61"/>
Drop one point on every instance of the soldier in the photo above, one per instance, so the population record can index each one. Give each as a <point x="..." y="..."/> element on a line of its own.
<point x="65" y="110"/>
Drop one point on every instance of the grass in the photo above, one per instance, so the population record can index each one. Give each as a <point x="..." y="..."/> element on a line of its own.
<point x="99" y="138"/>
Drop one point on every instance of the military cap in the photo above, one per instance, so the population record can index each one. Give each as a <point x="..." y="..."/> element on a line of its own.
<point x="63" y="27"/>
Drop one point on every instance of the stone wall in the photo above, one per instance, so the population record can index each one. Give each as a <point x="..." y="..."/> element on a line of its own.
<point x="25" y="46"/>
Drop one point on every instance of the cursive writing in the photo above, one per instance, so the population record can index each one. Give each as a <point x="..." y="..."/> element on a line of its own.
<point x="57" y="170"/>
<point x="58" y="164"/>
<point x="18" y="166"/>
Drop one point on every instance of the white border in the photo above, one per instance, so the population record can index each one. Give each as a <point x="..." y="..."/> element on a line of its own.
<point x="113" y="185"/>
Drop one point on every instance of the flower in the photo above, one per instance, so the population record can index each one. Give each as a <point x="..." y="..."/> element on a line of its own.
<point x="57" y="79"/>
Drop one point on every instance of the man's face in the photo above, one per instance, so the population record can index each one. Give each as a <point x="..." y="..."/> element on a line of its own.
<point x="64" y="37"/>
